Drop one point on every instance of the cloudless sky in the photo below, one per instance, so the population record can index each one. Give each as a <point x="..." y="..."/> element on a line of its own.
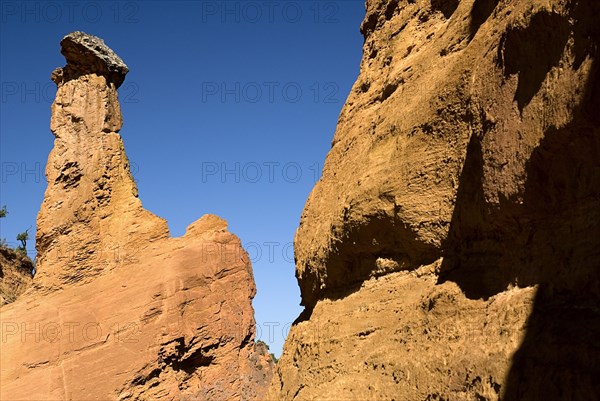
<point x="229" y="108"/>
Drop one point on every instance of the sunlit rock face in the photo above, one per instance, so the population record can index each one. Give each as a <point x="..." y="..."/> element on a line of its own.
<point x="91" y="217"/>
<point x="118" y="310"/>
<point x="451" y="249"/>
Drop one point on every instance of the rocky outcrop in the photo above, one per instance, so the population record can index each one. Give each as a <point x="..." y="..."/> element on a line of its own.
<point x="15" y="274"/>
<point x="87" y="54"/>
<point x="118" y="309"/>
<point x="91" y="219"/>
<point x="450" y="250"/>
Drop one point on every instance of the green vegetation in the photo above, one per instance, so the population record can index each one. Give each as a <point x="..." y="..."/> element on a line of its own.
<point x="23" y="237"/>
<point x="20" y="249"/>
<point x="261" y="342"/>
<point x="3" y="213"/>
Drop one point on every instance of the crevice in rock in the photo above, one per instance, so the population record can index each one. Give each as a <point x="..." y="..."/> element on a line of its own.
<point x="69" y="175"/>
<point x="446" y="7"/>
<point x="481" y="11"/>
<point x="388" y="90"/>
<point x="391" y="9"/>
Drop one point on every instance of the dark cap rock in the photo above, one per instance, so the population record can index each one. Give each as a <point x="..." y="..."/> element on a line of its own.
<point x="88" y="54"/>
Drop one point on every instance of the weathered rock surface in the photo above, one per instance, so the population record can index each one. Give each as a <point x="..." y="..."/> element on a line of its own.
<point x="451" y="249"/>
<point x="91" y="218"/>
<point x="88" y="54"/>
<point x="15" y="274"/>
<point x="118" y="309"/>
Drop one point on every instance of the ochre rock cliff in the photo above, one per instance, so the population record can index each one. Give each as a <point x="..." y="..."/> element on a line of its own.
<point x="118" y="309"/>
<point x="451" y="249"/>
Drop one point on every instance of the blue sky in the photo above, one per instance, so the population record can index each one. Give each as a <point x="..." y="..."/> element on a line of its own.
<point x="229" y="108"/>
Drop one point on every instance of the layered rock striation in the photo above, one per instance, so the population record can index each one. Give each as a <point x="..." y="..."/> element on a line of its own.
<point x="451" y="249"/>
<point x="118" y="309"/>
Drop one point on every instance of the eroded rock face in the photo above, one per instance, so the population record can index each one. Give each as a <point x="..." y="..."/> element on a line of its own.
<point x="91" y="217"/>
<point x="451" y="249"/>
<point x="118" y="309"/>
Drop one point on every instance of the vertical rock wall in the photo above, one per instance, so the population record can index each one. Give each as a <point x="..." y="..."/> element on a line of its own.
<point x="451" y="249"/>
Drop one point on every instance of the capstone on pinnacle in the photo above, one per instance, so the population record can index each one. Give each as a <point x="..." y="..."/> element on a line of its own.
<point x="88" y="54"/>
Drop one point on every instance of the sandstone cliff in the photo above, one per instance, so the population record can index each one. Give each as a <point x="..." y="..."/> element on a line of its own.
<point x="118" y="309"/>
<point x="15" y="274"/>
<point x="451" y="249"/>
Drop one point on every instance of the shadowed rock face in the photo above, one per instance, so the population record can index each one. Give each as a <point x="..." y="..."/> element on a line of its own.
<point x="451" y="249"/>
<point x="118" y="310"/>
